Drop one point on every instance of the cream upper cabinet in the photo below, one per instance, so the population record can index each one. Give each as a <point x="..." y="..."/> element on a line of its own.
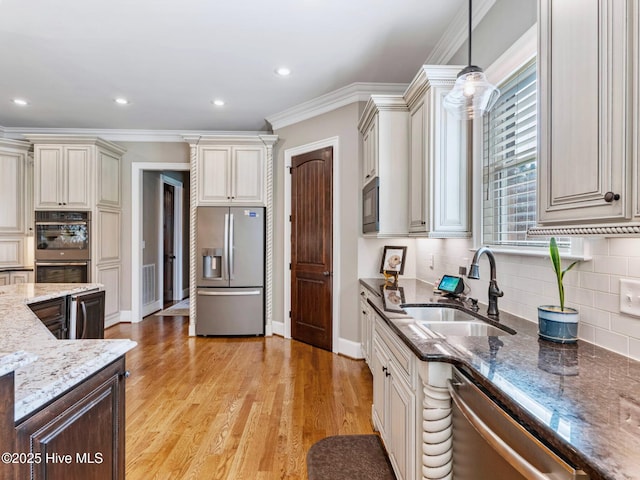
<point x="439" y="162"/>
<point x="76" y="173"/>
<point x="62" y="177"/>
<point x="247" y="174"/>
<point x="384" y="126"/>
<point x="231" y="174"/>
<point x="370" y="152"/>
<point x="16" y="215"/>
<point x="108" y="174"/>
<point x="14" y="187"/>
<point x="585" y="104"/>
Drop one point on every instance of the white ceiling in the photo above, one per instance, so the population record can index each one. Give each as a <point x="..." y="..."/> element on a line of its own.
<point x="71" y="58"/>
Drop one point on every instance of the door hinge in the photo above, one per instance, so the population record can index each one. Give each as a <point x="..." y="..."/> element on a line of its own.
<point x="289" y="266"/>
<point x="290" y="217"/>
<point x="289" y="313"/>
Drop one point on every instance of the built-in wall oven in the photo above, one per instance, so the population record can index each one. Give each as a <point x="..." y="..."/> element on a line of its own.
<point x="62" y="247"/>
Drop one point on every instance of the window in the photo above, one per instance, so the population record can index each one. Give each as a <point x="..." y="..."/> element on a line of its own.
<point x="508" y="207"/>
<point x="509" y="163"/>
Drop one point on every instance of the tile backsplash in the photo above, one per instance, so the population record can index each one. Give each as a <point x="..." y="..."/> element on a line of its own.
<point x="593" y="287"/>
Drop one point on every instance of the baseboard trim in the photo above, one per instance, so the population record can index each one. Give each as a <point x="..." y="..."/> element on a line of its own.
<point x="350" y="349"/>
<point x="277" y="328"/>
<point x="148" y="310"/>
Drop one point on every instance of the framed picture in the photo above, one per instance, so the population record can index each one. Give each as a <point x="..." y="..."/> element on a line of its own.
<point x="393" y="259"/>
<point x="392" y="298"/>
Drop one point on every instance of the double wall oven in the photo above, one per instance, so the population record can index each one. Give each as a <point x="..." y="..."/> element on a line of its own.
<point x="62" y="247"/>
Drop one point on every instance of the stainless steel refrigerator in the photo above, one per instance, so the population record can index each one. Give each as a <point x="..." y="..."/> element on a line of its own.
<point x="230" y="271"/>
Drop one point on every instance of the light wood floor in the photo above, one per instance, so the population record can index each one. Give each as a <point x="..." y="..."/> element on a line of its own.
<point x="214" y="408"/>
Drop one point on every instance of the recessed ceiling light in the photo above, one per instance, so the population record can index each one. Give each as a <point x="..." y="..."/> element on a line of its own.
<point x="20" y="101"/>
<point x="283" y="71"/>
<point x="121" y="101"/>
<point x="218" y="102"/>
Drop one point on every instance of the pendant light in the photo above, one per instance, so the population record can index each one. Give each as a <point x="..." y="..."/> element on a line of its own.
<point x="472" y="95"/>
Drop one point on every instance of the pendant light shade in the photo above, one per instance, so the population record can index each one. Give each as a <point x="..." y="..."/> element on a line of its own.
<point x="472" y="95"/>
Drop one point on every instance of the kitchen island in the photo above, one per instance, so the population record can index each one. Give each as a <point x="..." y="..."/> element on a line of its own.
<point x="581" y="400"/>
<point x="59" y="386"/>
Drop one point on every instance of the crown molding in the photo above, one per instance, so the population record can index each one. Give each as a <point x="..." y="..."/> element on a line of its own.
<point x="13" y="143"/>
<point x="119" y="135"/>
<point x="224" y="139"/>
<point x="430" y="75"/>
<point x="456" y="33"/>
<point x="355" y="92"/>
<point x="380" y="103"/>
<point x="48" y="138"/>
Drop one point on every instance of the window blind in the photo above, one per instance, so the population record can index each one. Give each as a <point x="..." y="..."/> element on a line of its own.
<point x="509" y="163"/>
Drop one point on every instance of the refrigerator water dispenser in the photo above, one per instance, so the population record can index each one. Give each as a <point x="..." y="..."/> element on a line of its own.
<point x="212" y="263"/>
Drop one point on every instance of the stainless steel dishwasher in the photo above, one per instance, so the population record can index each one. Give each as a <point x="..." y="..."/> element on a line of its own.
<point x="489" y="444"/>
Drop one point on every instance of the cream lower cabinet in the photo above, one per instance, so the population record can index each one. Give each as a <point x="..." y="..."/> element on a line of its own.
<point x="394" y="399"/>
<point x="12" y="278"/>
<point x="411" y="408"/>
<point x="366" y="326"/>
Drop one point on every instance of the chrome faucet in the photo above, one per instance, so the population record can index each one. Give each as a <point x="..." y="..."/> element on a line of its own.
<point x="494" y="290"/>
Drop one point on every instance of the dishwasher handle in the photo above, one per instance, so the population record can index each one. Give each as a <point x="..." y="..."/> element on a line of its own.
<point x="497" y="443"/>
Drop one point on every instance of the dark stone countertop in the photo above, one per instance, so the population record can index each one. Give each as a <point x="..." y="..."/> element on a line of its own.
<point x="581" y="400"/>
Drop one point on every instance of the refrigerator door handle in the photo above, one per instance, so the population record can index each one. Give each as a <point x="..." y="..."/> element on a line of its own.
<point x="225" y="261"/>
<point x="231" y="245"/>
<point x="228" y="294"/>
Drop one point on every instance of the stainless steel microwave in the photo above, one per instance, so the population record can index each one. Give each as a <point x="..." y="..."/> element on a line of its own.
<point x="370" y="207"/>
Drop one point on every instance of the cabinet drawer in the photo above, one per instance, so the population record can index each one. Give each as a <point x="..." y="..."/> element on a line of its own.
<point x="53" y="313"/>
<point x="401" y="354"/>
<point x="50" y="310"/>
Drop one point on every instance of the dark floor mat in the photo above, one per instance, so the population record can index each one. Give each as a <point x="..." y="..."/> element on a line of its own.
<point x="349" y="457"/>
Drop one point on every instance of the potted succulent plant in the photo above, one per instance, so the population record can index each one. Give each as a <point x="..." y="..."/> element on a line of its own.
<point x="558" y="323"/>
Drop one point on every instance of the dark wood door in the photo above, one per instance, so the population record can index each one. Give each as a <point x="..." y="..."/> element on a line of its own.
<point x="168" y="243"/>
<point x="312" y="248"/>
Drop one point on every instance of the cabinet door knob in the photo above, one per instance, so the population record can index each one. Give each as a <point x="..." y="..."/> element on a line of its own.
<point x="126" y="374"/>
<point x="610" y="197"/>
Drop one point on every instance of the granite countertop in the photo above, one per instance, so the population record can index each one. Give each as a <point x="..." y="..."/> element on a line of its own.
<point x="582" y="400"/>
<point x="16" y="269"/>
<point x="44" y="366"/>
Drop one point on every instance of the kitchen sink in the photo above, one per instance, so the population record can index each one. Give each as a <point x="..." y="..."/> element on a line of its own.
<point x="476" y="328"/>
<point x="451" y="322"/>
<point x="439" y="314"/>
